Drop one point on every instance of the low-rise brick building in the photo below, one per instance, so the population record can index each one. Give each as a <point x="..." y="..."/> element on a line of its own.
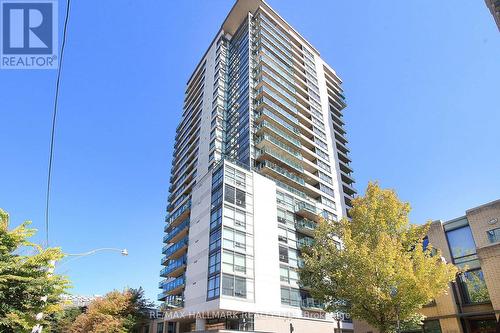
<point x="472" y="303"/>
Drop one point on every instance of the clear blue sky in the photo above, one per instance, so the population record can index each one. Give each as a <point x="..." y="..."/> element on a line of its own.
<point x="421" y="78"/>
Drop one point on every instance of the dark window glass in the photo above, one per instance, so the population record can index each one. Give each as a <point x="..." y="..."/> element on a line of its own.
<point x="493" y="235"/>
<point x="283" y="254"/>
<point x="432" y="326"/>
<point x="473" y="287"/>
<point x="240" y="198"/>
<point x="483" y="325"/>
<point x="159" y="328"/>
<point x="229" y="194"/>
<point x="217" y="197"/>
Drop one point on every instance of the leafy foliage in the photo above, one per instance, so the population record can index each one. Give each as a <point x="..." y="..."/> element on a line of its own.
<point x="25" y="278"/>
<point x="116" y="312"/>
<point x="61" y="322"/>
<point x="381" y="271"/>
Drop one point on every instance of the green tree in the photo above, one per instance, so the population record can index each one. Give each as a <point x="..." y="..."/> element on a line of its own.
<point x="381" y="271"/>
<point x="116" y="312"/>
<point x="25" y="278"/>
<point x="61" y="322"/>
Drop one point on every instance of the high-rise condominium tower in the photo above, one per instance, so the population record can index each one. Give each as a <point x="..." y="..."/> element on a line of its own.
<point x="260" y="157"/>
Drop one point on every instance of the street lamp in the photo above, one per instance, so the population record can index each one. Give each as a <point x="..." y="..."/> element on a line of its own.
<point x="394" y="293"/>
<point x="338" y="316"/>
<point x="52" y="266"/>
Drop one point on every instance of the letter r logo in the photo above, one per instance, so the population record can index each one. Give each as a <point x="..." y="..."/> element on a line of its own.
<point x="27" y="27"/>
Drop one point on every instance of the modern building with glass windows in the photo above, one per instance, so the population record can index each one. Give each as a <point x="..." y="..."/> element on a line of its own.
<point x="472" y="243"/>
<point x="260" y="158"/>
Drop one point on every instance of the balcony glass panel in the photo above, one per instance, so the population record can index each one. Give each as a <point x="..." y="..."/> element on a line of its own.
<point x="174" y="248"/>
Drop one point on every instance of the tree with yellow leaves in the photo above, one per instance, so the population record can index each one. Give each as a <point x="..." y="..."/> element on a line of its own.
<point x="380" y="273"/>
<point x="27" y="287"/>
<point x="116" y="312"/>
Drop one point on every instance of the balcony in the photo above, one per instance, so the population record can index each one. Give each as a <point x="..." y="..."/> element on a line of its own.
<point x="175" y="286"/>
<point x="162" y="296"/>
<point x="308" y="211"/>
<point x="177" y="232"/>
<point x="312" y="305"/>
<point x="176" y="250"/>
<point x="174" y="301"/>
<point x="265" y="114"/>
<point x="303" y="242"/>
<point x="306" y="226"/>
<point x="266" y="153"/>
<point x="281" y="174"/>
<point x="267" y="127"/>
<point x="174" y="267"/>
<point x="348" y="189"/>
<point x="179" y="215"/>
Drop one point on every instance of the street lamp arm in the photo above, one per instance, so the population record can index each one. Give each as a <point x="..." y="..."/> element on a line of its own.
<point x="124" y="252"/>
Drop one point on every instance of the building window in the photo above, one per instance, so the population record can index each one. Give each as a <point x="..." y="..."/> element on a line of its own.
<point x="288" y="275"/>
<point x="431" y="326"/>
<point x="234" y="286"/>
<point x="473" y="287"/>
<point x="159" y="328"/>
<point x="234" y="262"/>
<point x="287" y="236"/>
<point x="493" y="235"/>
<point x="234" y="240"/>
<point x="216" y="197"/>
<point x="290" y="296"/>
<point x="215" y="237"/>
<point x="234" y="177"/>
<point x="283" y="254"/>
<point x="214" y="263"/>
<point x="285" y="217"/>
<point x="235" y="196"/>
<point x="425" y="243"/>
<point x="216" y="218"/>
<point x="234" y="217"/>
<point x="213" y="289"/>
<point x="462" y="246"/>
<point x="486" y="325"/>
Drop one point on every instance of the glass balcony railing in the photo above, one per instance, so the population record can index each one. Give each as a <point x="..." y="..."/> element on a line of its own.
<point x="268" y="113"/>
<point x="162" y="296"/>
<point x="173" y="265"/>
<point x="274" y="129"/>
<point x="180" y="281"/>
<point x="174" y="301"/>
<point x="172" y="217"/>
<point x="305" y="206"/>
<point x="311" y="303"/>
<point x="279" y="144"/>
<point x="175" y="231"/>
<point x="306" y="241"/>
<point x="177" y="246"/>
<point x="281" y="171"/>
<point x="306" y="226"/>
<point x="293" y="165"/>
